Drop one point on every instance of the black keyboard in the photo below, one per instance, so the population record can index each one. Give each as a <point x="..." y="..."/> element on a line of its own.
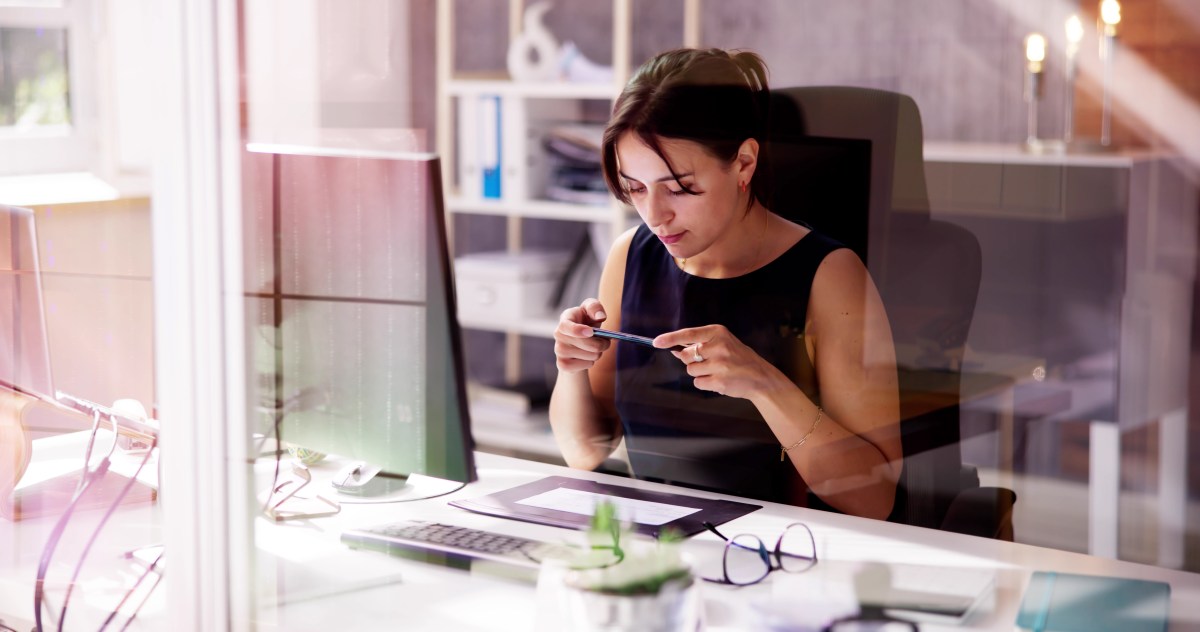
<point x="454" y="541"/>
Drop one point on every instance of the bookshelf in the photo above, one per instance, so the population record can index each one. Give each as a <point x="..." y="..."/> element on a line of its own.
<point x="525" y="109"/>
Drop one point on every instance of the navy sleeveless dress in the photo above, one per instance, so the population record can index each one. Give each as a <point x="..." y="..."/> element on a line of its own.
<point x="678" y="434"/>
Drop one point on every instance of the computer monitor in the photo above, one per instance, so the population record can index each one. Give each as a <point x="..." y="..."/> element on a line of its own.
<point x="24" y="355"/>
<point x="353" y="337"/>
<point x="24" y="350"/>
<point x="25" y="377"/>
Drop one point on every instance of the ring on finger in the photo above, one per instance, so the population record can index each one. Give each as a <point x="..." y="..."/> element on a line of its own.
<point x="696" y="353"/>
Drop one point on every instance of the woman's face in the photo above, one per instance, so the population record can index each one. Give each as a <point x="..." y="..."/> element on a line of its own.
<point x="687" y="224"/>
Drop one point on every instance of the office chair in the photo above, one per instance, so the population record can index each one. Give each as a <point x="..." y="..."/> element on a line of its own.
<point x="848" y="162"/>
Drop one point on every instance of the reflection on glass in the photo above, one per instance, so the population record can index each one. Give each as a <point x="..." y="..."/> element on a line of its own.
<point x="34" y="84"/>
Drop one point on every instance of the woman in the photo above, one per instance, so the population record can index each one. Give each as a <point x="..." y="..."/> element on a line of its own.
<point x="773" y="374"/>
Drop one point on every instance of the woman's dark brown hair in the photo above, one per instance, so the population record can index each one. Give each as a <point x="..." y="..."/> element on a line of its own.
<point x="712" y="97"/>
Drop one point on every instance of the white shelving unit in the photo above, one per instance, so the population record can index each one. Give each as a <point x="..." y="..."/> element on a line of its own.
<point x="524" y="106"/>
<point x="531" y="208"/>
<point x="530" y="89"/>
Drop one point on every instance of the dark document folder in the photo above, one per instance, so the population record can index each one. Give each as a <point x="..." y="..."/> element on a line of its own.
<point x="567" y="502"/>
<point x="1065" y="602"/>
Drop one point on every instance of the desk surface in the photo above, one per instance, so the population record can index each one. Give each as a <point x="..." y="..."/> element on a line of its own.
<point x="426" y="597"/>
<point x="308" y="580"/>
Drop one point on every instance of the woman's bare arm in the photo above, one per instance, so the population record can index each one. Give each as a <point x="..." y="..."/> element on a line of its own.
<point x="853" y="458"/>
<point x="582" y="408"/>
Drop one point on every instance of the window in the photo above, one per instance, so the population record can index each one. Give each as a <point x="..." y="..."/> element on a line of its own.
<point x="47" y="103"/>
<point x="34" y="89"/>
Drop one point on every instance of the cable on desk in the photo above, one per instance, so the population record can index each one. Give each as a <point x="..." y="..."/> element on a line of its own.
<point x="277" y="413"/>
<point x="152" y="568"/>
<point x="88" y="479"/>
<point x="112" y="508"/>
<point x="87" y="453"/>
<point x="398" y="500"/>
<point x="142" y="603"/>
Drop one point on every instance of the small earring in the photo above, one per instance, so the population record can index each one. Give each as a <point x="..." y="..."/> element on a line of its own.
<point x="742" y="187"/>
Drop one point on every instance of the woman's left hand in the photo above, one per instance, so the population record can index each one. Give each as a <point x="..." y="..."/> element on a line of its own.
<point x="718" y="361"/>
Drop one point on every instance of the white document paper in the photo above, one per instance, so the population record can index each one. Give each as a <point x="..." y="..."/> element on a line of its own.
<point x="628" y="509"/>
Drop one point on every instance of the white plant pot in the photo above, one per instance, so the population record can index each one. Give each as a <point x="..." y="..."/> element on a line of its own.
<point x="676" y="607"/>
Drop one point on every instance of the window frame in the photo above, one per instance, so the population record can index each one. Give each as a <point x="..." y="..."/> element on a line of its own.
<point x="58" y="151"/>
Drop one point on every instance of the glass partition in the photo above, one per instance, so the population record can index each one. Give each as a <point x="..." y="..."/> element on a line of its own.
<point x="1019" y="180"/>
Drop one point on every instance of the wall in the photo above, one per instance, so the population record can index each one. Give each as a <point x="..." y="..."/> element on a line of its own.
<point x="324" y="72"/>
<point x="961" y="60"/>
<point x="99" y="302"/>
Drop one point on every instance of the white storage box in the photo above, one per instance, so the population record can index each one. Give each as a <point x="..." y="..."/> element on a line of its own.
<point x="496" y="288"/>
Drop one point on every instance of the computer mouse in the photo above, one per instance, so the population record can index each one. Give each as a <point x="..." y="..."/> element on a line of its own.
<point x="354" y="477"/>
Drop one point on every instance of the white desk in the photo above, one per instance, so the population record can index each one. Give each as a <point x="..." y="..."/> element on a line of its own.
<point x="104" y="575"/>
<point x="426" y="597"/>
<point x="325" y="585"/>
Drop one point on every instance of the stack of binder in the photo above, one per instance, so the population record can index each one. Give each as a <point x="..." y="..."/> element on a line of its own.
<point x="479" y="146"/>
<point x="576" y="175"/>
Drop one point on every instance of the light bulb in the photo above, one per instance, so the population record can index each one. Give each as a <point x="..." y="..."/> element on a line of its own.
<point x="1110" y="12"/>
<point x="1074" y="30"/>
<point x="1035" y="51"/>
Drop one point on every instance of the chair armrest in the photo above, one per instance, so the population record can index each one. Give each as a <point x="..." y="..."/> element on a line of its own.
<point x="982" y="511"/>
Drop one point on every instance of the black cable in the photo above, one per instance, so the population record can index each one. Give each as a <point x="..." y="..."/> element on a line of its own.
<point x="87" y="453"/>
<point x="39" y="589"/>
<point x="89" y="479"/>
<point x="129" y="593"/>
<point x="143" y="602"/>
<point x="86" y="480"/>
<point x="277" y="314"/>
<point x="112" y="508"/>
<point x="278" y="458"/>
<point x="398" y="500"/>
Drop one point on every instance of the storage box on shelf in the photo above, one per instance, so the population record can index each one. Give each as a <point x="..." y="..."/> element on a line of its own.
<point x="499" y="291"/>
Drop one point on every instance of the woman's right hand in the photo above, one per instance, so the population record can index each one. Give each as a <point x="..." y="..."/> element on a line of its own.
<point x="575" y="348"/>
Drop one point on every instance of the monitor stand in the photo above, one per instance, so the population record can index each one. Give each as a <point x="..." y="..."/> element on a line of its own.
<point x="362" y="482"/>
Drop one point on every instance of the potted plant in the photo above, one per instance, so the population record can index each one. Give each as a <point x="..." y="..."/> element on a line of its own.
<point x="628" y="583"/>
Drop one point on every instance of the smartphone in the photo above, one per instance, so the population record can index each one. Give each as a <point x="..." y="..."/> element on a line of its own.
<point x="641" y="340"/>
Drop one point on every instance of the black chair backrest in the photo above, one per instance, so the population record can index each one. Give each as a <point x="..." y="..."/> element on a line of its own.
<point x="822" y="182"/>
<point x="848" y="162"/>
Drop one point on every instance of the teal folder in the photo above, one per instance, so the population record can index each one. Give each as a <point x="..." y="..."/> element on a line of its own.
<point x="1065" y="602"/>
